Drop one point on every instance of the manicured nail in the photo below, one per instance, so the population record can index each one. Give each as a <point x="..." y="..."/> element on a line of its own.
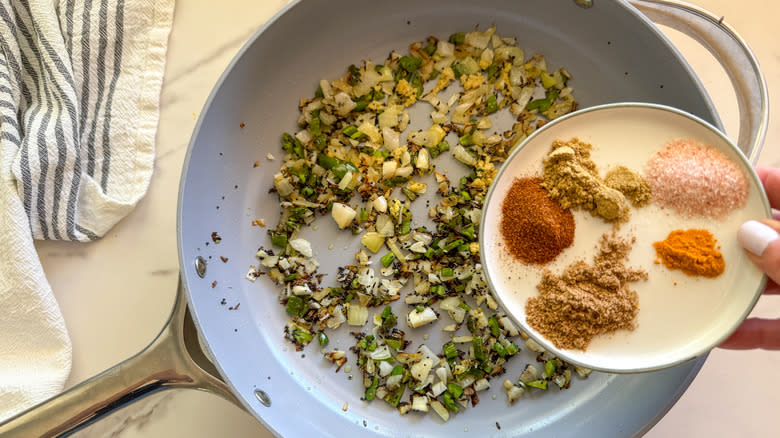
<point x="755" y="236"/>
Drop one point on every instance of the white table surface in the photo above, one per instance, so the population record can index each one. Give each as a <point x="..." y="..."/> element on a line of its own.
<point x="117" y="292"/>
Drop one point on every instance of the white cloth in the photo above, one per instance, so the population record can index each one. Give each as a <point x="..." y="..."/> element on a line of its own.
<point x="79" y="105"/>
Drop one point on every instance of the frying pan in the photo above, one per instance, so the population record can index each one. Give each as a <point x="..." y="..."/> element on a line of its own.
<point x="236" y="349"/>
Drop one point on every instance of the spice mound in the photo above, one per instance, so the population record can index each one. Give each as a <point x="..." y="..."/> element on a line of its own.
<point x="692" y="251"/>
<point x="571" y="178"/>
<point x="694" y="179"/>
<point x="535" y="228"/>
<point x="630" y="184"/>
<point x="587" y="300"/>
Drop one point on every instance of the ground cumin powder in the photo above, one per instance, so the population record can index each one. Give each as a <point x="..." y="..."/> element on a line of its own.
<point x="571" y="178"/>
<point x="630" y="184"/>
<point x="692" y="251"/>
<point x="587" y="300"/>
<point x="535" y="228"/>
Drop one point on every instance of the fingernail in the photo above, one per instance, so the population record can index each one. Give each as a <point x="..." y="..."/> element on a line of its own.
<point x="755" y="236"/>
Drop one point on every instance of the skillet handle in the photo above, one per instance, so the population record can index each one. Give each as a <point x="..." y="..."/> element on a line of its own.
<point x="734" y="55"/>
<point x="173" y="360"/>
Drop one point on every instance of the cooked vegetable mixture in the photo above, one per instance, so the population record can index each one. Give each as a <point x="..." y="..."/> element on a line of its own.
<point x="353" y="160"/>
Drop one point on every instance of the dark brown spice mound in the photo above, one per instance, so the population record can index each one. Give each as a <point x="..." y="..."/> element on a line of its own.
<point x="535" y="228"/>
<point x="587" y="300"/>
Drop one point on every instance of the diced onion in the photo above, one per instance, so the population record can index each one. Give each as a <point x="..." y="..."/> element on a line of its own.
<point x="357" y="315"/>
<point x="343" y="214"/>
<point x="416" y="319"/>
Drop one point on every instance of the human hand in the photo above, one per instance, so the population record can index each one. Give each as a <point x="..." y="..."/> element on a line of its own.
<point x="761" y="240"/>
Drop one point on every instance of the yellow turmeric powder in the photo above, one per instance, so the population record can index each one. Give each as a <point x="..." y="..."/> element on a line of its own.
<point x="691" y="251"/>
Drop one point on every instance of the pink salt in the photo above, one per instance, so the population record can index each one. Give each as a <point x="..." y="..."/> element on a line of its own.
<point x="694" y="179"/>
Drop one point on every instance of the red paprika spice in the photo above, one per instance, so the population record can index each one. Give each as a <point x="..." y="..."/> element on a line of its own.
<point x="535" y="228"/>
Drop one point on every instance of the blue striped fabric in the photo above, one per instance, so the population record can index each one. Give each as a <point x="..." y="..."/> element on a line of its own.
<point x="59" y="74"/>
<point x="80" y="88"/>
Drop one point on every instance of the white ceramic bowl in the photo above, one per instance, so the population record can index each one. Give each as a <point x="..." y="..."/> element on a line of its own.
<point x="680" y="317"/>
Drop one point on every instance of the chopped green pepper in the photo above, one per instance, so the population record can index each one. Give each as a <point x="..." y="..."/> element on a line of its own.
<point x="429" y="48"/>
<point x="371" y="390"/>
<point x="349" y="130"/>
<point x="302" y="336"/>
<point x="388" y="320"/>
<point x="455" y="389"/>
<point x="393" y="398"/>
<point x="495" y="330"/>
<point x="295" y="306"/>
<point x="479" y="352"/>
<point x="410" y="63"/>
<point x="395" y="343"/>
<point x="278" y="239"/>
<point x="457" y="38"/>
<point x="387" y="259"/>
<point x="492" y="104"/>
<point x="541" y="384"/>
<point x="327" y="161"/>
<point x="550" y="367"/>
<point x="450" y="351"/>
<point x="452" y="245"/>
<point x="449" y="402"/>
<point x="406" y="227"/>
<point x="492" y="71"/>
<point x="354" y="75"/>
<point x="459" y="69"/>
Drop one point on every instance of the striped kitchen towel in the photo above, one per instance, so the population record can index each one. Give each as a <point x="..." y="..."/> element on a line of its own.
<point x="79" y="104"/>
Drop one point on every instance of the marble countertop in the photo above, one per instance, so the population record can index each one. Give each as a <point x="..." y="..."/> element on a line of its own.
<point x="117" y="292"/>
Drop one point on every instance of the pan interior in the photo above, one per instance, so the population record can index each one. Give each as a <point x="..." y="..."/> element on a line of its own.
<point x="613" y="54"/>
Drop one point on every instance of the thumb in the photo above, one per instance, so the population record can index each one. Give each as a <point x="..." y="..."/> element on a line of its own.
<point x="761" y="239"/>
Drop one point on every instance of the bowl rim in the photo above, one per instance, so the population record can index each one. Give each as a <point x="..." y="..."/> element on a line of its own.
<point x="562" y="354"/>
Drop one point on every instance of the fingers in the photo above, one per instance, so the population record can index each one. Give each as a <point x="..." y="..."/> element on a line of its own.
<point x="770" y="178"/>
<point x="761" y="239"/>
<point x="755" y="333"/>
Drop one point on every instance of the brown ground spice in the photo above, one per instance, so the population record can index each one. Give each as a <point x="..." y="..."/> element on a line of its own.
<point x="692" y="251"/>
<point x="571" y="178"/>
<point x="587" y="300"/>
<point x="535" y="228"/>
